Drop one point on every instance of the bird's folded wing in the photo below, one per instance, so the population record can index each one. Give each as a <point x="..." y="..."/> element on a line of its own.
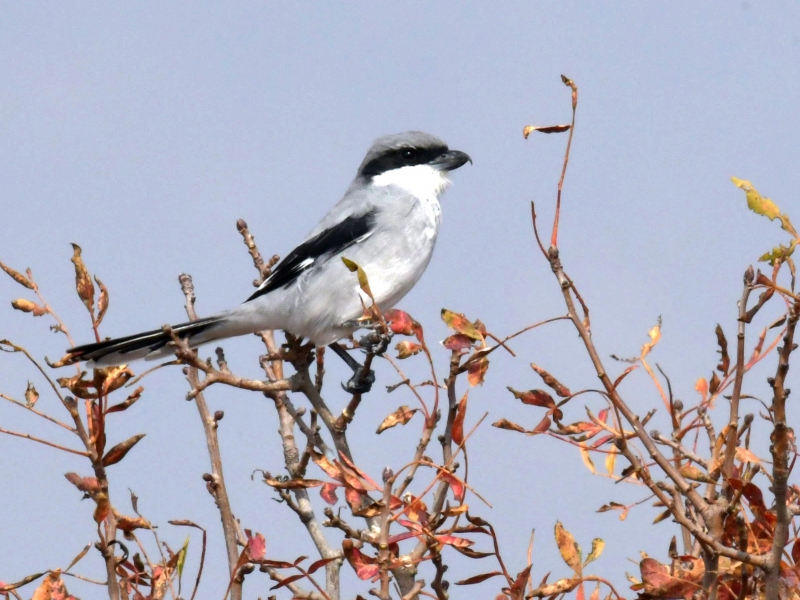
<point x="349" y="231"/>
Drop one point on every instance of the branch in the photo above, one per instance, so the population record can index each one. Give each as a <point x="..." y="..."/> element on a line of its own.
<point x="216" y="482"/>
<point x="782" y="446"/>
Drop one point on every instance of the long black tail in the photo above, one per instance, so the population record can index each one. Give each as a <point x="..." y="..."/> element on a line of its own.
<point x="147" y="345"/>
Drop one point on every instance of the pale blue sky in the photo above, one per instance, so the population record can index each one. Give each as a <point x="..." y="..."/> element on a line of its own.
<point x="142" y="132"/>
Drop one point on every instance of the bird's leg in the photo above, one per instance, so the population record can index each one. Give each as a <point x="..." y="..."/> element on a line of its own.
<point x="362" y="379"/>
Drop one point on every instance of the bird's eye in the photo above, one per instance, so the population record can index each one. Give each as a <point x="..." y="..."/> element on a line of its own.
<point x="409" y="153"/>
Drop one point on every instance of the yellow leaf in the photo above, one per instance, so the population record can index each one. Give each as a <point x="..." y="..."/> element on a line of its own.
<point x="756" y="202"/>
<point x="611" y="458"/>
<point x="597" y="550"/>
<point x="587" y="460"/>
<point x="655" y="335"/>
<point x="689" y="471"/>
<point x="461" y="324"/>
<point x="362" y="276"/>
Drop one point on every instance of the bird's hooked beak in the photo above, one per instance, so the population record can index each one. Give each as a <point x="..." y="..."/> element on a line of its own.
<point x="450" y="160"/>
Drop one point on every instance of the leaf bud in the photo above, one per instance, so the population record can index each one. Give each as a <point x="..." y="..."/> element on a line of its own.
<point x="219" y="415"/>
<point x="387" y="474"/>
<point x="749" y="275"/>
<point x="208" y="477"/>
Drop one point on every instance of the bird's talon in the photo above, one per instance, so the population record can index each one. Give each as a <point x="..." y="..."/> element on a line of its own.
<point x="360" y="382"/>
<point x="376" y="343"/>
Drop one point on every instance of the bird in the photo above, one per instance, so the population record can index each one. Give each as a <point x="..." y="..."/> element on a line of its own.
<point x="387" y="222"/>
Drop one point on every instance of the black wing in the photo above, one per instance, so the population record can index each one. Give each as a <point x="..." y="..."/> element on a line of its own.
<point x="332" y="240"/>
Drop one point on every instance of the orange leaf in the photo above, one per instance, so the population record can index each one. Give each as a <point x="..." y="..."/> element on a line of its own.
<point x="458" y="421"/>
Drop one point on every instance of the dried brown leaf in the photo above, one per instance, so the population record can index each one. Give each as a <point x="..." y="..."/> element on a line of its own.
<point x="476" y="372"/>
<point x="569" y="549"/>
<point x="118" y="452"/>
<point x="551" y="382"/>
<point x="407" y="348"/>
<point x="31" y="395"/>
<point x="458" y="421"/>
<point x="545" y="129"/>
<point x="27" y="306"/>
<point x="102" y="301"/>
<point x="399" y="417"/>
<point x="83" y="283"/>
<point x="17" y="276"/>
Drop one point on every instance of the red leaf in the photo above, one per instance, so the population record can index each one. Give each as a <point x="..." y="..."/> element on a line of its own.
<point x="400" y="322"/>
<point x="256" y="548"/>
<point x="457" y="341"/>
<point x="328" y="493"/>
<point x="452" y="540"/>
<point x="455" y="484"/>
<point x="353" y="497"/>
<point x="543" y="425"/>
<point x="320" y="563"/>
<point x="478" y="578"/>
<point x="89" y="485"/>
<point x="534" y="398"/>
<point x="364" y="566"/>
<point x="287" y="581"/>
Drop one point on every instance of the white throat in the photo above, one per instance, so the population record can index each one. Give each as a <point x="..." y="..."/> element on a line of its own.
<point x="422" y="181"/>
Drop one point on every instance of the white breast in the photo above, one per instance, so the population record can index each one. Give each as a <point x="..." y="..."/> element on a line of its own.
<point x="425" y="184"/>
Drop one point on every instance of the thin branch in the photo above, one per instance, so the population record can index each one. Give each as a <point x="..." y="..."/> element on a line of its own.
<point x="45" y="442"/>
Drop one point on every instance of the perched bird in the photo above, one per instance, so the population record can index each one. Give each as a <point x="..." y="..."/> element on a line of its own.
<point x="387" y="223"/>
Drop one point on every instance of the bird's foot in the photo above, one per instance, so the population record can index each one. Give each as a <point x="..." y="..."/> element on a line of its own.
<point x="375" y="342"/>
<point x="361" y="381"/>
